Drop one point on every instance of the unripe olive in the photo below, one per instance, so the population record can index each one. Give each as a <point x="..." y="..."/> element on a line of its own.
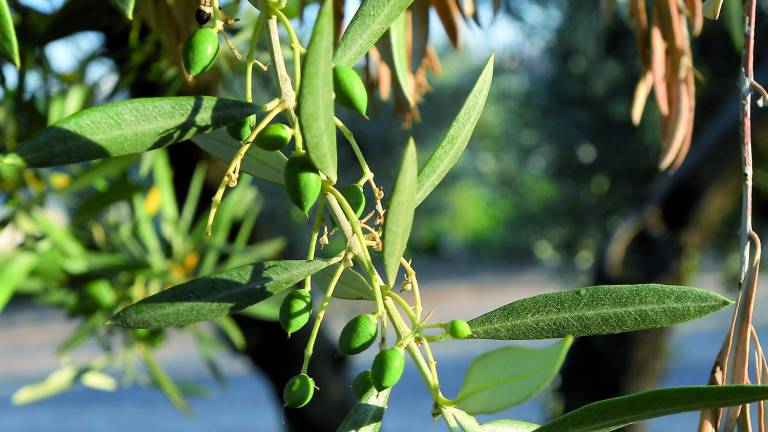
<point x="459" y="329"/>
<point x="302" y="181"/>
<point x="151" y="337"/>
<point x="200" y="50"/>
<point x="298" y="391"/>
<point x="354" y="195"/>
<point x="274" y="137"/>
<point x="362" y="383"/>
<point x="359" y="333"/>
<point x="240" y="130"/>
<point x="295" y="310"/>
<point x="349" y="89"/>
<point x="387" y="368"/>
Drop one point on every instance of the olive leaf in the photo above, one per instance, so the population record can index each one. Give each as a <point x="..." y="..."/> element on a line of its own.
<point x="164" y="382"/>
<point x="509" y="376"/>
<point x="612" y="414"/>
<point x="217" y="294"/>
<point x="596" y="310"/>
<point x="394" y="49"/>
<point x="316" y="95"/>
<point x="268" y="165"/>
<point x="399" y="216"/>
<point x="457" y="136"/>
<point x="9" y="46"/>
<point x="125" y="7"/>
<point x="367" y="414"/>
<point x="467" y="422"/>
<point x="350" y="286"/>
<point x="507" y="425"/>
<point x="127" y="127"/>
<point x="370" y="22"/>
<point x="13" y="272"/>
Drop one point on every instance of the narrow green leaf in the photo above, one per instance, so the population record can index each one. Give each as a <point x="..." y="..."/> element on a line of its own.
<point x="163" y="381"/>
<point x="13" y="273"/>
<point x="268" y="165"/>
<point x="398" y="54"/>
<point x="127" y="127"/>
<point x="9" y="46"/>
<point x="597" y="310"/>
<point x="125" y="7"/>
<point x="467" y="422"/>
<point x="217" y="294"/>
<point x="350" y="286"/>
<point x="399" y="216"/>
<point x="457" y="136"/>
<point x="612" y="414"/>
<point x="367" y="414"/>
<point x="83" y="331"/>
<point x="57" y="382"/>
<point x="233" y="332"/>
<point x="506" y="425"/>
<point x="316" y="95"/>
<point x="370" y="22"/>
<point x="509" y="376"/>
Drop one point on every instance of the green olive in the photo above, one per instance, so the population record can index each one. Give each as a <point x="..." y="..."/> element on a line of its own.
<point x="240" y="130"/>
<point x="387" y="368"/>
<point x="298" y="391"/>
<point x="354" y="195"/>
<point x="359" y="333"/>
<point x="302" y="181"/>
<point x="200" y="51"/>
<point x="459" y="329"/>
<point x="151" y="337"/>
<point x="349" y="89"/>
<point x="362" y="383"/>
<point x="274" y="137"/>
<point x="295" y="310"/>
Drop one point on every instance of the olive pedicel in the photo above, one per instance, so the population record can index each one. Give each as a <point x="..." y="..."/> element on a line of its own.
<point x="295" y="310"/>
<point x="200" y="50"/>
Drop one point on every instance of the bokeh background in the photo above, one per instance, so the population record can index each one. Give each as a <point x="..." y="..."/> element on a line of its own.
<point x="557" y="190"/>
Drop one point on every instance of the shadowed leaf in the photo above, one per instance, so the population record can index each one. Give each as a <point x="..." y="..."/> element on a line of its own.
<point x="367" y="414"/>
<point x="370" y="22"/>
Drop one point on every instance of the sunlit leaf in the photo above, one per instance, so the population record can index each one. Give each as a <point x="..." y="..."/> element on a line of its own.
<point x="268" y="165"/>
<point x="9" y="46"/>
<point x="370" y="21"/>
<point x="509" y="376"/>
<point x="57" y="382"/>
<point x="399" y="215"/>
<point x="457" y="136"/>
<point x="217" y="294"/>
<point x="506" y="425"/>
<point x="467" y="422"/>
<point x="612" y="414"/>
<point x="316" y="95"/>
<point x="367" y="414"/>
<point x="127" y="127"/>
<point x="397" y="53"/>
<point x="604" y="309"/>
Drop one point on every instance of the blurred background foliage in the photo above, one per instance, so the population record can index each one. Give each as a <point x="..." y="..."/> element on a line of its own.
<point x="553" y="167"/>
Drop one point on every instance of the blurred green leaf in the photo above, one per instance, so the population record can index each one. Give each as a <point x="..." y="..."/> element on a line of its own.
<point x="9" y="46"/>
<point x="57" y="382"/>
<point x="83" y="331"/>
<point x="457" y="136"/>
<point x="395" y="50"/>
<point x="399" y="219"/>
<point x="370" y="21"/>
<point x="597" y="310"/>
<point x="125" y="7"/>
<point x="267" y="310"/>
<point x="217" y="294"/>
<point x="98" y="381"/>
<point x="366" y="416"/>
<point x="13" y="272"/>
<point x="233" y="332"/>
<point x="316" y="95"/>
<point x="509" y="376"/>
<point x="128" y="127"/>
<point x="268" y="165"/>
<point x="163" y="381"/>
<point x="506" y="425"/>
<point x="612" y="414"/>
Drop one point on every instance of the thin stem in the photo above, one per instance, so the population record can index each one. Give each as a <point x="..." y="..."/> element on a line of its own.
<point x="411" y="274"/>
<point x="320" y="315"/>
<point x="405" y="306"/>
<point x="230" y="178"/>
<point x="250" y="59"/>
<point x="367" y="173"/>
<point x="296" y="47"/>
<point x="313" y="240"/>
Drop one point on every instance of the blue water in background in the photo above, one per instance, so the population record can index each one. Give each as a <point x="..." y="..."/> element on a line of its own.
<point x="246" y="402"/>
